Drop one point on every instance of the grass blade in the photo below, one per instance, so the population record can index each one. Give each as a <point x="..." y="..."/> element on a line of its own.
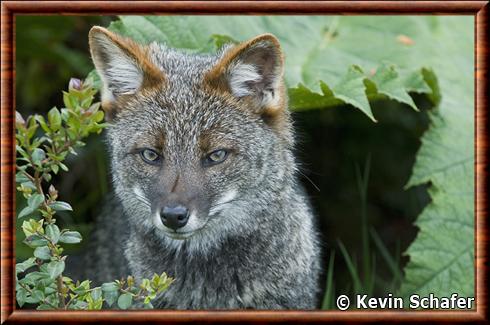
<point x="328" y="298"/>
<point x="351" y="267"/>
<point x="390" y="261"/>
<point x="362" y="187"/>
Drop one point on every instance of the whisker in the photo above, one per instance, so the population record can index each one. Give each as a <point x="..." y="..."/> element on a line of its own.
<point x="143" y="200"/>
<point x="309" y="180"/>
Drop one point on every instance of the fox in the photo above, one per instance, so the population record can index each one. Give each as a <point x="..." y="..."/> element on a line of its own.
<point x="205" y="180"/>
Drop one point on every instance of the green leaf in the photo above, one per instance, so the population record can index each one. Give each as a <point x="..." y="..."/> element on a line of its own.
<point x="110" y="292"/>
<point x="35" y="201"/>
<point x="31" y="227"/>
<point x="38" y="155"/>
<point x="110" y="286"/>
<point x="50" y="290"/>
<point x="125" y="300"/>
<point x="55" y="268"/>
<point x="83" y="287"/>
<point x="387" y="82"/>
<point x="34" y="278"/>
<point x="94" y="79"/>
<point x="44" y="307"/>
<point x="69" y="100"/>
<point x="31" y="130"/>
<point x="221" y="40"/>
<point x="442" y="257"/>
<point x="63" y="167"/>
<point x="22" y="267"/>
<point x="70" y="237"/>
<point x="96" y="293"/>
<point x="54" y="119"/>
<point x="79" y="305"/>
<point x="20" y="177"/>
<point x="28" y="184"/>
<point x="42" y="253"/>
<point x="53" y="233"/>
<point x="419" y="82"/>
<point x="43" y="123"/>
<point x="25" y="212"/>
<point x="55" y="169"/>
<point x="35" y="241"/>
<point x="46" y="177"/>
<point x="110" y="297"/>
<point x="61" y="206"/>
<point x="351" y="90"/>
<point x="38" y="294"/>
<point x="21" y="296"/>
<point x="35" y="298"/>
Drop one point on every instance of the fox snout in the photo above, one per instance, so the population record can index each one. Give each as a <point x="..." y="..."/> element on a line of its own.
<point x="174" y="216"/>
<point x="179" y="205"/>
<point x="178" y="215"/>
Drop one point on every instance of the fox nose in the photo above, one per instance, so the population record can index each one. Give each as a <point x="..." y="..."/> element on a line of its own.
<point x="174" y="217"/>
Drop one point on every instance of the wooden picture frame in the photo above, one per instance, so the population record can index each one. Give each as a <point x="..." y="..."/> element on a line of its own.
<point x="9" y="9"/>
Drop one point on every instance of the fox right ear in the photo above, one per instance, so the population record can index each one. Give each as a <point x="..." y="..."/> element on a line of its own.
<point x="123" y="65"/>
<point x="252" y="70"/>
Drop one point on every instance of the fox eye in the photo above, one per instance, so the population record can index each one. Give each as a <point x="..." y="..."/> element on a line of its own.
<point x="150" y="156"/>
<point x="216" y="157"/>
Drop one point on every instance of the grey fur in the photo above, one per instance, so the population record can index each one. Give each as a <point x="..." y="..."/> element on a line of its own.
<point x="259" y="250"/>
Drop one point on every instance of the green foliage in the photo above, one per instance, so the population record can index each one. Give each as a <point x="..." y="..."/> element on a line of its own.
<point x="364" y="278"/>
<point x="329" y="296"/>
<point x="442" y="255"/>
<point x="42" y="146"/>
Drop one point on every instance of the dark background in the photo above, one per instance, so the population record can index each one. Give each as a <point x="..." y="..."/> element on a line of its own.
<point x="333" y="145"/>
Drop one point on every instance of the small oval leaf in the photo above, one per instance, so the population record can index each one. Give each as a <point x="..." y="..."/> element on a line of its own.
<point x="70" y="237"/>
<point x="124" y="301"/>
<point x="35" y="201"/>
<point x="38" y="155"/>
<point x="55" y="268"/>
<point x="53" y="233"/>
<point x="61" y="206"/>
<point x="43" y="253"/>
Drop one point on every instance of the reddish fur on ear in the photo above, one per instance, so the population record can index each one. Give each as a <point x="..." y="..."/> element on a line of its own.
<point x="216" y="78"/>
<point x="232" y="54"/>
<point x="152" y="75"/>
<point x="256" y="51"/>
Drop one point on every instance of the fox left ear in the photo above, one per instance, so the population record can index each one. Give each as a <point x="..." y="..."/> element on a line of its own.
<point x="123" y="65"/>
<point x="252" y="70"/>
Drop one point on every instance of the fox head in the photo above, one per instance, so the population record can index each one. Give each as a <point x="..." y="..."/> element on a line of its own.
<point x="198" y="142"/>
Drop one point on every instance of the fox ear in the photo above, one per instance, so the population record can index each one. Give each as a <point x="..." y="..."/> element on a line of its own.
<point x="123" y="65"/>
<point x="252" y="70"/>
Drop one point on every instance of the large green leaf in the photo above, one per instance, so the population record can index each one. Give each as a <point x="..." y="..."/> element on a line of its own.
<point x="442" y="255"/>
<point x="335" y="60"/>
<point x="316" y="74"/>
